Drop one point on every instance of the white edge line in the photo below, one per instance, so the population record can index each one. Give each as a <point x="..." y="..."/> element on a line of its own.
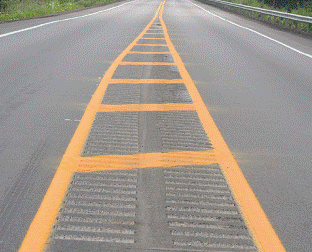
<point x="58" y="21"/>
<point x="278" y="42"/>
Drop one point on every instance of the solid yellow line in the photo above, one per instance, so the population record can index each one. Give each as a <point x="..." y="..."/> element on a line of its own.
<point x="137" y="52"/>
<point x="145" y="107"/>
<point x="261" y="229"/>
<point x="41" y="225"/>
<point x="142" y="81"/>
<point x="168" y="159"/>
<point x="151" y="45"/>
<point x="146" y="63"/>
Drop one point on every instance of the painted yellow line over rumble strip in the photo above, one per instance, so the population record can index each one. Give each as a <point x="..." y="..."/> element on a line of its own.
<point x="166" y="159"/>
<point x="42" y="223"/>
<point x="260" y="227"/>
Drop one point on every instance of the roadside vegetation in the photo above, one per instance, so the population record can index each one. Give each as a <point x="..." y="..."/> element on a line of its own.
<point x="299" y="7"/>
<point x="21" y="9"/>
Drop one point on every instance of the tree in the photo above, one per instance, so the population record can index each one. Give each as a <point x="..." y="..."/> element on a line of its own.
<point x="2" y="5"/>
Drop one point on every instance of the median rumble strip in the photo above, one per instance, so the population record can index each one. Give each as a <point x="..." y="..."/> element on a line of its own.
<point x="260" y="228"/>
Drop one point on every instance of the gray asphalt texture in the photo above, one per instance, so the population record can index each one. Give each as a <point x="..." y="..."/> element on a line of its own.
<point x="258" y="92"/>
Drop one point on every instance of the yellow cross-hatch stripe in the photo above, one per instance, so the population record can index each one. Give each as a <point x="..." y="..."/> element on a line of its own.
<point x="166" y="159"/>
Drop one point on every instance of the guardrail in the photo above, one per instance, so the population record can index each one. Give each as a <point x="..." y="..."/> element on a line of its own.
<point x="289" y="20"/>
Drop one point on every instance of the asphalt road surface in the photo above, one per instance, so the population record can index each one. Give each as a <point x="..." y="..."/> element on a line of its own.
<point x="257" y="89"/>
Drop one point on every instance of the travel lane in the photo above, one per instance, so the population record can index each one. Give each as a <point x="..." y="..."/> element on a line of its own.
<point x="48" y="76"/>
<point x="259" y="95"/>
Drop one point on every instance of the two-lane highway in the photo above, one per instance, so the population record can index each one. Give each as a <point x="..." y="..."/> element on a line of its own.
<point x="254" y="80"/>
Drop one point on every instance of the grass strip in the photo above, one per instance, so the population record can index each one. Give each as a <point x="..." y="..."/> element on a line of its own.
<point x="24" y="9"/>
